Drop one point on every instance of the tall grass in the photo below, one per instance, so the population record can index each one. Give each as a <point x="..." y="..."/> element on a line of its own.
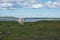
<point x="42" y="30"/>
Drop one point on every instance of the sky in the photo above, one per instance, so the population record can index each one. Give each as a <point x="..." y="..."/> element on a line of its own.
<point x="30" y="8"/>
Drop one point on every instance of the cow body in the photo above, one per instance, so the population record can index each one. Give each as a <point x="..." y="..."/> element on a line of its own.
<point x="21" y="21"/>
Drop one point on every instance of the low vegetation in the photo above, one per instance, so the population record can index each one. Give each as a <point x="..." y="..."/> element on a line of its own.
<point x="42" y="30"/>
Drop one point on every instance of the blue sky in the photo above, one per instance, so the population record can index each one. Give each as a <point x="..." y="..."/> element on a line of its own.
<point x="30" y="8"/>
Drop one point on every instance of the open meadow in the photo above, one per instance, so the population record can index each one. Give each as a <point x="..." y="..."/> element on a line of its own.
<point x="41" y="30"/>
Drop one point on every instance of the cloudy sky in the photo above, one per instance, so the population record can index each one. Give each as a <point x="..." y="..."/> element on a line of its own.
<point x="30" y="8"/>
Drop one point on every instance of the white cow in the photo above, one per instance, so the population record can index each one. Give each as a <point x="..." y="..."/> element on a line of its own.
<point x="21" y="21"/>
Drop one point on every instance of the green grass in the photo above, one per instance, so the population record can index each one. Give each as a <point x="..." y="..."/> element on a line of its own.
<point x="43" y="30"/>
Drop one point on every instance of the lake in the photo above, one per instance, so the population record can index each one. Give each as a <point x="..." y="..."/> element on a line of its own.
<point x="28" y="19"/>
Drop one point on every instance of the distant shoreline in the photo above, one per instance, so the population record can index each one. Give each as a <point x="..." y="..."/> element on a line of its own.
<point x="28" y="19"/>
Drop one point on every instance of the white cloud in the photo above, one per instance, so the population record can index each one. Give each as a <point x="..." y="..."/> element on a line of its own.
<point x="7" y="8"/>
<point x="50" y="4"/>
<point x="30" y="4"/>
<point x="36" y="6"/>
<point x="3" y="8"/>
<point x="13" y="4"/>
<point x="6" y="4"/>
<point x="8" y="0"/>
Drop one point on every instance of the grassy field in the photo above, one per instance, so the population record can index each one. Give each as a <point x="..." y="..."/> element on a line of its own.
<point x="43" y="30"/>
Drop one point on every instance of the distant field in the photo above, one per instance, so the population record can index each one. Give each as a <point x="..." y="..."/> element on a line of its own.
<point x="42" y="30"/>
